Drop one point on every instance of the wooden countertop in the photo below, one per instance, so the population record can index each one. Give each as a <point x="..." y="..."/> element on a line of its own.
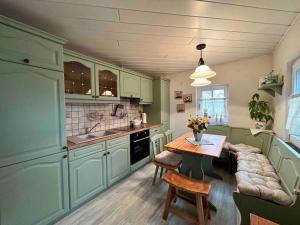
<point x="182" y="145"/>
<point x="72" y="146"/>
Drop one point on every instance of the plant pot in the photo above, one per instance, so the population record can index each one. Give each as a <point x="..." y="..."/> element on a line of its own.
<point x="198" y="135"/>
<point x="260" y="125"/>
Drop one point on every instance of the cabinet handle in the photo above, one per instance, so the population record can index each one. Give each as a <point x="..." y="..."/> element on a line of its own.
<point x="26" y="60"/>
<point x="65" y="156"/>
<point x="64" y="147"/>
<point x="96" y="96"/>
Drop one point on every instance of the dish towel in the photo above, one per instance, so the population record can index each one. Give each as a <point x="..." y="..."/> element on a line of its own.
<point x="202" y="142"/>
<point x="257" y="131"/>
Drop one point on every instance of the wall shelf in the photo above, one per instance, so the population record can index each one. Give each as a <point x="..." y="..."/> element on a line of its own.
<point x="272" y="88"/>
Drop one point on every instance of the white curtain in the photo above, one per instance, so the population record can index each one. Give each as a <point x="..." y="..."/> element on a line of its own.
<point x="293" y="120"/>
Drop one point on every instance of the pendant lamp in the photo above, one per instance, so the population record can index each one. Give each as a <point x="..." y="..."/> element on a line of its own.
<point x="200" y="82"/>
<point x="202" y="71"/>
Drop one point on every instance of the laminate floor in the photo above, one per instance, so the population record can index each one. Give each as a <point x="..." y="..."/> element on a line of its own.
<point x="134" y="201"/>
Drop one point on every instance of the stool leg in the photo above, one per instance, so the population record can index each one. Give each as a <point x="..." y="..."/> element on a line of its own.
<point x="170" y="195"/>
<point x="155" y="174"/>
<point x="161" y="172"/>
<point x="200" y="210"/>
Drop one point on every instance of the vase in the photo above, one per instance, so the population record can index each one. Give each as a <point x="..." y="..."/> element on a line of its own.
<point x="198" y="135"/>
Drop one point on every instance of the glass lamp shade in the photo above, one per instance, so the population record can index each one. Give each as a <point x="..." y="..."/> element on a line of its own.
<point x="200" y="82"/>
<point x="203" y="71"/>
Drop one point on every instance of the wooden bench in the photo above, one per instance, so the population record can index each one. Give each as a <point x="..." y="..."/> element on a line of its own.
<point x="177" y="183"/>
<point x="286" y="162"/>
<point x="237" y="135"/>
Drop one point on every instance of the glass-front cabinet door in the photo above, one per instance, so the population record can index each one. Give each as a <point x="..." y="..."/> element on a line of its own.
<point x="107" y="83"/>
<point x="79" y="78"/>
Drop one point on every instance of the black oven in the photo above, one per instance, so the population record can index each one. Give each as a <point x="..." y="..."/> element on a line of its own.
<point x="139" y="146"/>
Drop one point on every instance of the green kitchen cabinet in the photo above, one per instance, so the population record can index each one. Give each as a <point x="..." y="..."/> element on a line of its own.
<point x="118" y="162"/>
<point x="107" y="83"/>
<point x="130" y="85"/>
<point x="32" y="112"/>
<point x="87" y="177"/>
<point x="159" y="110"/>
<point x="26" y="45"/>
<point x="79" y="76"/>
<point x="146" y="91"/>
<point x="34" y="192"/>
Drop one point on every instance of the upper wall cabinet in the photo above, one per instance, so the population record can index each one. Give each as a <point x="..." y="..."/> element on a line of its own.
<point x="79" y="78"/>
<point x="146" y="91"/>
<point x="25" y="48"/>
<point x="107" y="83"/>
<point x="130" y="85"/>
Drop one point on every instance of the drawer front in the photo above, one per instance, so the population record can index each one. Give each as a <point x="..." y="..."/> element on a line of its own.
<point x="85" y="151"/>
<point x="117" y="141"/>
<point x="21" y="47"/>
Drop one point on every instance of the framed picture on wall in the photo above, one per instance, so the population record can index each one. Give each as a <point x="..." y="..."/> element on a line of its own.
<point x="187" y="98"/>
<point x="178" y="94"/>
<point x="180" y="108"/>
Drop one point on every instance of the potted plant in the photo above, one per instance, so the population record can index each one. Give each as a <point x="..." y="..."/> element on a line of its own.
<point x="198" y="125"/>
<point x="260" y="112"/>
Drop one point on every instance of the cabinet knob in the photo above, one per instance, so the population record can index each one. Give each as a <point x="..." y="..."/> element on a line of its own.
<point x="96" y="96"/>
<point x="65" y="156"/>
<point x="26" y="60"/>
<point x="107" y="153"/>
<point x="65" y="147"/>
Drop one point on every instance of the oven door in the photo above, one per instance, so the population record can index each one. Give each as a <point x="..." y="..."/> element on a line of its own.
<point x="139" y="150"/>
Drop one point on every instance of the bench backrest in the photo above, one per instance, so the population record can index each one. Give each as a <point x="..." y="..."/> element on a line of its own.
<point x="286" y="162"/>
<point x="236" y="135"/>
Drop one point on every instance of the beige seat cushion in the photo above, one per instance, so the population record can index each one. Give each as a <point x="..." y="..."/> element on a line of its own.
<point x="263" y="187"/>
<point x="257" y="167"/>
<point x="168" y="158"/>
<point x="250" y="156"/>
<point x="226" y="146"/>
<point x="244" y="148"/>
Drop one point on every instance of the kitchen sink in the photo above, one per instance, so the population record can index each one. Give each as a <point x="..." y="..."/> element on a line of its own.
<point x="88" y="137"/>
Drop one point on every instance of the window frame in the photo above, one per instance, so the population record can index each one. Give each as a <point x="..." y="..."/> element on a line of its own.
<point x="295" y="68"/>
<point x="213" y="87"/>
<point x="295" y="139"/>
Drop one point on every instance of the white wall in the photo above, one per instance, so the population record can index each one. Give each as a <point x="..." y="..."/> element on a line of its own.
<point x="241" y="76"/>
<point x="283" y="56"/>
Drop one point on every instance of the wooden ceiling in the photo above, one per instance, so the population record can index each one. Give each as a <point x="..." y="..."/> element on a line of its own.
<point x="158" y="37"/>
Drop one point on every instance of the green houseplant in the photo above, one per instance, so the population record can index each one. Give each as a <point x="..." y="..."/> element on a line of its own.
<point x="259" y="111"/>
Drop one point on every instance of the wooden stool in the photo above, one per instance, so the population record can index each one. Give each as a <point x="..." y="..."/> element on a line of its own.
<point x="177" y="183"/>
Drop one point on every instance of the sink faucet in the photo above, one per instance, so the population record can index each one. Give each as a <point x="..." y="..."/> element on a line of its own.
<point x="87" y="130"/>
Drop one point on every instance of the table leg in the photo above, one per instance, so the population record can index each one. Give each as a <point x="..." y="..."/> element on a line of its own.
<point x="208" y="168"/>
<point x="192" y="167"/>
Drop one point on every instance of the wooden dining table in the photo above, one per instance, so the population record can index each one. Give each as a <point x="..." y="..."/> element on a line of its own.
<point x="197" y="159"/>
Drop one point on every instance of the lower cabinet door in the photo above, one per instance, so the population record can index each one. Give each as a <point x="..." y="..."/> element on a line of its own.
<point x="118" y="163"/>
<point x="34" y="192"/>
<point x="87" y="177"/>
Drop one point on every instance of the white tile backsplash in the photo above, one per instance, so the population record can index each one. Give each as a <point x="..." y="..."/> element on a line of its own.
<point x="80" y="117"/>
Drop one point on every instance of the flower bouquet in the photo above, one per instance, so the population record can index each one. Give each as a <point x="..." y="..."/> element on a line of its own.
<point x="198" y="125"/>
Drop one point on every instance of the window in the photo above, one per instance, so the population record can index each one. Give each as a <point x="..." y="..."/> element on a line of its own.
<point x="293" y="120"/>
<point x="213" y="101"/>
<point x="296" y="77"/>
